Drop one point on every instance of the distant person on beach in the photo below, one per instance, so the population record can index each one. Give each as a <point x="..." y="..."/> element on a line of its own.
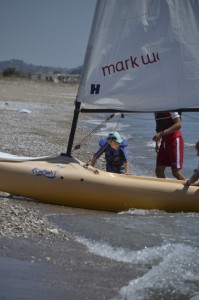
<point x="194" y="178"/>
<point x="169" y="144"/>
<point x="114" y="148"/>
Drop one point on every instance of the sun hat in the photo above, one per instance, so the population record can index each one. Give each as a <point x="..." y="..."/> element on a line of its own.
<point x="115" y="136"/>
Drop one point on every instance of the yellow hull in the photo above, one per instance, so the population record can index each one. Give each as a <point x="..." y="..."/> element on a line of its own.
<point x="65" y="181"/>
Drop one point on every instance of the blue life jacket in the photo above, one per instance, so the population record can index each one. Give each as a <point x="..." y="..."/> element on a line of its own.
<point x="115" y="158"/>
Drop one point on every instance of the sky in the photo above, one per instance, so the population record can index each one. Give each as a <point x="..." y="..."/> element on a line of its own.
<point x="45" y="32"/>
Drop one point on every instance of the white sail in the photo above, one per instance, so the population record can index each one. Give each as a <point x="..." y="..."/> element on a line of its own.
<point x="142" y="55"/>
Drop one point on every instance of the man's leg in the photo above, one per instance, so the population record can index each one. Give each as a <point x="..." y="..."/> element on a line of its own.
<point x="176" y="156"/>
<point x="160" y="171"/>
<point x="177" y="174"/>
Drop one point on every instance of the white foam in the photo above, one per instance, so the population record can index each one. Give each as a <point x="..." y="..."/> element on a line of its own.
<point x="179" y="268"/>
<point x="150" y="144"/>
<point x="142" y="212"/>
<point x="173" y="269"/>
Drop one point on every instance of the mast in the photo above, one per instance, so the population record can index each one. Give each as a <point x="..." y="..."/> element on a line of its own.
<point x="73" y="129"/>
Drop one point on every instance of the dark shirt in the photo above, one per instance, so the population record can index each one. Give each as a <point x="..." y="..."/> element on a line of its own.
<point x="115" y="158"/>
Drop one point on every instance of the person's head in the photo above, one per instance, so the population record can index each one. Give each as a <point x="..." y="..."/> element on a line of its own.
<point x="114" y="139"/>
<point x="197" y="148"/>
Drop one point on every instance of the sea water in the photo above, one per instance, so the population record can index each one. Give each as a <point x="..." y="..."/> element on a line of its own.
<point x="139" y="130"/>
<point x="165" y="246"/>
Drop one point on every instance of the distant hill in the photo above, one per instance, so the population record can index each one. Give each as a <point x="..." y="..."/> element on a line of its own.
<point x="27" y="69"/>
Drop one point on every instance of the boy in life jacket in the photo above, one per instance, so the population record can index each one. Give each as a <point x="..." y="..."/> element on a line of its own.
<point x="194" y="178"/>
<point x="169" y="144"/>
<point x="114" y="148"/>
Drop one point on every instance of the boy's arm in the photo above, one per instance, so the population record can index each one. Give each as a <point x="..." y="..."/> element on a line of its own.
<point x="97" y="155"/>
<point x="193" y="179"/>
<point x="93" y="161"/>
<point x="126" y="167"/>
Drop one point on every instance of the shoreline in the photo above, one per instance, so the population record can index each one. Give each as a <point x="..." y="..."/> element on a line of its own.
<point x="41" y="131"/>
<point x="29" y="243"/>
<point x="31" y="134"/>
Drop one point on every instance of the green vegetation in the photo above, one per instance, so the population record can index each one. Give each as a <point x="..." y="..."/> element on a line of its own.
<point x="10" y="72"/>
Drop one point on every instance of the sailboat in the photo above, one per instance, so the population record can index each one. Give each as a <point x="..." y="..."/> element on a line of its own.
<point x="142" y="56"/>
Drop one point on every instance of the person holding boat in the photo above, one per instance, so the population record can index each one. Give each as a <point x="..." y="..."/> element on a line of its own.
<point x="169" y="144"/>
<point x="194" y="178"/>
<point x="115" y="155"/>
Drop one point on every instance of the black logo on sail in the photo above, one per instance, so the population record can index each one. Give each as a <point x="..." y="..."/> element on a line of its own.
<point x="95" y="88"/>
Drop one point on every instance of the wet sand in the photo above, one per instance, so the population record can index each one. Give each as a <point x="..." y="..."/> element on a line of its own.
<point x="48" y="263"/>
<point x="37" y="259"/>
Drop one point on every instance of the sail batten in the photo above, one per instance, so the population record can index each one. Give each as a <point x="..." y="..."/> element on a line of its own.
<point x="142" y="55"/>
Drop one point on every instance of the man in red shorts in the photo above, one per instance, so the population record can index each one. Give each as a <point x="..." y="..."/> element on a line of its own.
<point x="169" y="144"/>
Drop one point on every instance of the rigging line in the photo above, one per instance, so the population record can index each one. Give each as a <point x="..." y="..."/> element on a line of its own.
<point x="149" y="119"/>
<point x="104" y="147"/>
<point x="93" y="132"/>
<point x="121" y="117"/>
<point x="190" y="117"/>
<point x="163" y="118"/>
<point x="140" y="118"/>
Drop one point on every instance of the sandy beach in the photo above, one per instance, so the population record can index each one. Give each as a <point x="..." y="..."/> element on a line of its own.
<point x="37" y="259"/>
<point x="50" y="252"/>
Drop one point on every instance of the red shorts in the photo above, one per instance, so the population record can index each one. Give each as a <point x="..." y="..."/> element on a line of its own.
<point x="171" y="153"/>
